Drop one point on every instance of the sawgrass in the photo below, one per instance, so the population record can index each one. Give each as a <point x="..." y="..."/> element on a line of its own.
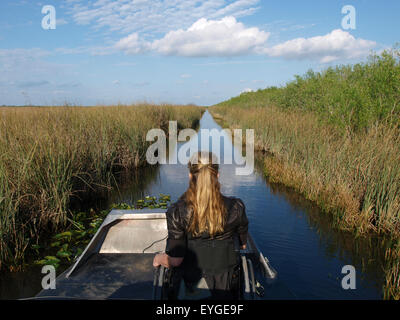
<point x="334" y="136"/>
<point x="50" y="156"/>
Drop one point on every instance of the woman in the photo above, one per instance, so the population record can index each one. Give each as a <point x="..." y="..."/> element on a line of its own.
<point x="202" y="227"/>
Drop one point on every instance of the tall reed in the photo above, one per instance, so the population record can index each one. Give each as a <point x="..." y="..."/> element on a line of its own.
<point x="334" y="136"/>
<point x="52" y="155"/>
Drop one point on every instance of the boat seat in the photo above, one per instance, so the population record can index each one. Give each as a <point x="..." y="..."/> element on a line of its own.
<point x="201" y="290"/>
<point x="198" y="292"/>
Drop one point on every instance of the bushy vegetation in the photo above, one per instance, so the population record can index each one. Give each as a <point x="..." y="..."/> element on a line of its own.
<point x="353" y="97"/>
<point x="334" y="136"/>
<point x="52" y="155"/>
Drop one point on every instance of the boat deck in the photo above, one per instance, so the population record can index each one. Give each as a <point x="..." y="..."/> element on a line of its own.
<point x="114" y="265"/>
<point x="108" y="276"/>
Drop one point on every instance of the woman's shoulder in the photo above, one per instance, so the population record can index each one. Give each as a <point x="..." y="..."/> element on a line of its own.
<point x="177" y="210"/>
<point x="233" y="202"/>
<point x="230" y="201"/>
<point x="176" y="206"/>
<point x="236" y="213"/>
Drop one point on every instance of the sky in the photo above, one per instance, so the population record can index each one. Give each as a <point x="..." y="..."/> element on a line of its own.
<point x="104" y="52"/>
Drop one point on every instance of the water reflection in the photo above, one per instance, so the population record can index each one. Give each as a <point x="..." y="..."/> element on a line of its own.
<point x="298" y="239"/>
<point x="365" y="253"/>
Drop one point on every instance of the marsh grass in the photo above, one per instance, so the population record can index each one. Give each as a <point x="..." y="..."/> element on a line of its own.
<point x="351" y="97"/>
<point x="51" y="155"/>
<point x="334" y="136"/>
<point x="356" y="176"/>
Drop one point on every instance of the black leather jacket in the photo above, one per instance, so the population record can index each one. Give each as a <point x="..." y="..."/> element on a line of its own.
<point x="178" y="217"/>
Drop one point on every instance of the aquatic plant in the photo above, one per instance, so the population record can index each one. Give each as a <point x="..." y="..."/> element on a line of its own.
<point x="334" y="136"/>
<point x="52" y="156"/>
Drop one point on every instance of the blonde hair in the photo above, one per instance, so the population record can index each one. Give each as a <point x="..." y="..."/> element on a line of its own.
<point x="203" y="196"/>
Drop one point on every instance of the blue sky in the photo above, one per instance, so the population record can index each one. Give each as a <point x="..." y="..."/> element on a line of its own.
<point x="178" y="51"/>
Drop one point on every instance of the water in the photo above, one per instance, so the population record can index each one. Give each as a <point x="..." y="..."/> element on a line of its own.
<point x="296" y="237"/>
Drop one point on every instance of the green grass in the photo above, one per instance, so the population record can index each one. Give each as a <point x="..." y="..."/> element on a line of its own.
<point x="52" y="155"/>
<point x="334" y="136"/>
<point x="352" y="97"/>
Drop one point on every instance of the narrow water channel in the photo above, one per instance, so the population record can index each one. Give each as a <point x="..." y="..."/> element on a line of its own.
<point x="295" y="236"/>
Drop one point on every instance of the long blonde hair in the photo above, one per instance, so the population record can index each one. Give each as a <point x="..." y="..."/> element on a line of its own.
<point x="203" y="196"/>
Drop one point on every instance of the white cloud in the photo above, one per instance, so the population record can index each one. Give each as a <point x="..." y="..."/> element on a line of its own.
<point x="141" y="84"/>
<point x="129" y="16"/>
<point x="32" y="84"/>
<point x="225" y="37"/>
<point x="132" y="44"/>
<point x="25" y="64"/>
<point x="247" y="90"/>
<point x="61" y="22"/>
<point x="30" y="75"/>
<point x="186" y="76"/>
<point x="203" y="28"/>
<point x="237" y="8"/>
<point x="335" y="45"/>
<point x="93" y="51"/>
<point x="228" y="37"/>
<point x="24" y="53"/>
<point x="69" y="84"/>
<point x="125" y="64"/>
<point x="221" y="63"/>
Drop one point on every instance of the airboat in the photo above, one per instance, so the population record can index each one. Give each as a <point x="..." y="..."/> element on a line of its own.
<point x="118" y="263"/>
